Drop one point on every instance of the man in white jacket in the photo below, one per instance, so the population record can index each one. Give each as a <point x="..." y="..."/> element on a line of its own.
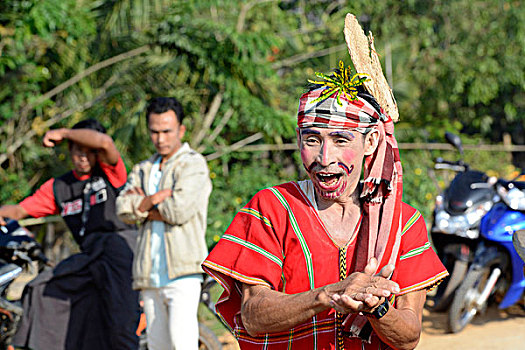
<point x="167" y="196"/>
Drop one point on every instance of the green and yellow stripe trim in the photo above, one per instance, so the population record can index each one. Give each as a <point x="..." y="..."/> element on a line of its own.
<point x="288" y="337"/>
<point x="415" y="251"/>
<point x="424" y="284"/>
<point x="411" y="222"/>
<point x="235" y="275"/>
<point x="304" y="246"/>
<point x="254" y="248"/>
<point x="299" y="234"/>
<point x="258" y="215"/>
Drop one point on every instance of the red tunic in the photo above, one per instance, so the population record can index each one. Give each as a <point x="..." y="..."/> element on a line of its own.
<point x="278" y="240"/>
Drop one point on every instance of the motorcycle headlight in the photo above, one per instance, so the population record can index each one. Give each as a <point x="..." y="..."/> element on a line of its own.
<point x="442" y="221"/>
<point x="462" y="225"/>
<point x="451" y="224"/>
<point x="475" y="214"/>
<point x="472" y="234"/>
<point x="458" y="224"/>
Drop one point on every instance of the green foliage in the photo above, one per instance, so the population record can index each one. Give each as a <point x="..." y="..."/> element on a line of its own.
<point x="238" y="67"/>
<point x="234" y="186"/>
<point x="463" y="63"/>
<point x="41" y="42"/>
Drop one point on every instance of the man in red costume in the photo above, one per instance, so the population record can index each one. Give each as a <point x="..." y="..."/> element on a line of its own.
<point x="337" y="261"/>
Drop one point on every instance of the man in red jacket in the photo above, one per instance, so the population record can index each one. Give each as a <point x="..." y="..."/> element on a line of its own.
<point x="86" y="302"/>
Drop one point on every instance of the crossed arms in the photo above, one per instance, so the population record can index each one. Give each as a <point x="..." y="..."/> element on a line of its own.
<point x="175" y="204"/>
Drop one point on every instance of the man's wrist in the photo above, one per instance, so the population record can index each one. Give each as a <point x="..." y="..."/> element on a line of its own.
<point x="381" y="310"/>
<point x="146" y="204"/>
<point x="323" y="297"/>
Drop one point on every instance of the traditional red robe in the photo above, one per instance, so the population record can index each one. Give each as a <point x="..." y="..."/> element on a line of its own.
<point x="278" y="240"/>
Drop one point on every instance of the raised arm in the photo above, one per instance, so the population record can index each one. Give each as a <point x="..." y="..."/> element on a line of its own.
<point x="108" y="152"/>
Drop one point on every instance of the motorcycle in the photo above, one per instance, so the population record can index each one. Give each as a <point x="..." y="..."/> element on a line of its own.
<point x="497" y="271"/>
<point x="456" y="221"/>
<point x="18" y="251"/>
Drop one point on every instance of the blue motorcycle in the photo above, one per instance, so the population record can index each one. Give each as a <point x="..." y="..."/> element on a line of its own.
<point x="497" y="271"/>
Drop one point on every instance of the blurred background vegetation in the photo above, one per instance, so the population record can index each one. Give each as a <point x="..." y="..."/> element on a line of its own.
<point x="238" y="67"/>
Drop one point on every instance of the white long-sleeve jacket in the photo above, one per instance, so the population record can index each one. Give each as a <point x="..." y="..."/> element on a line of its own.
<point x="185" y="212"/>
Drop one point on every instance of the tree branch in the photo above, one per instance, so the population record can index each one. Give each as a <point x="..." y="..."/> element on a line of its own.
<point x="235" y="146"/>
<point x="244" y="10"/>
<point x="290" y="61"/>
<point x="208" y="119"/>
<point x="83" y="74"/>
<point x="405" y="146"/>
<point x="224" y="120"/>
<point x="51" y="121"/>
<point x="13" y="146"/>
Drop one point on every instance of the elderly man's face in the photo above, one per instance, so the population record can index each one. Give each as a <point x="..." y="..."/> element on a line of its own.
<point x="333" y="158"/>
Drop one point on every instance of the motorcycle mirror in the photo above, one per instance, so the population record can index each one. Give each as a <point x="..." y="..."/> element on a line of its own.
<point x="455" y="141"/>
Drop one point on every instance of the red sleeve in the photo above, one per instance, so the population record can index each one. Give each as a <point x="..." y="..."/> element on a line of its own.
<point x="42" y="203"/>
<point x="248" y="252"/>
<point x="418" y="266"/>
<point x="117" y="174"/>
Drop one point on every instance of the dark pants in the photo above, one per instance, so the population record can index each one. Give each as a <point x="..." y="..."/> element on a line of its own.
<point x="86" y="302"/>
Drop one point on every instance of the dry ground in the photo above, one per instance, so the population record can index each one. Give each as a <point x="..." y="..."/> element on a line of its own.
<point x="496" y="330"/>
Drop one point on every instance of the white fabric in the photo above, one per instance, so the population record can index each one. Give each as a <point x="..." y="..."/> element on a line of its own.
<point x="308" y="188"/>
<point x="171" y="314"/>
<point x="159" y="269"/>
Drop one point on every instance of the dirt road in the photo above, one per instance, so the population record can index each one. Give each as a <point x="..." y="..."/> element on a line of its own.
<point x="496" y="330"/>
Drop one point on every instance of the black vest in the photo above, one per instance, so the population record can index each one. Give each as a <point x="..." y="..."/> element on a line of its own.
<point x="88" y="206"/>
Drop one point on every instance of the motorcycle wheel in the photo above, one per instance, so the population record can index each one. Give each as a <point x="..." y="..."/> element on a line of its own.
<point x="446" y="290"/>
<point x="464" y="307"/>
<point x="207" y="339"/>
